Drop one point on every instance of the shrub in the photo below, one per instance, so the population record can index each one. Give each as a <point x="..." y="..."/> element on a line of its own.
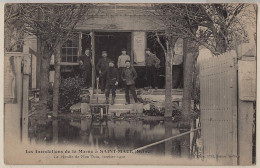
<point x="70" y="89"/>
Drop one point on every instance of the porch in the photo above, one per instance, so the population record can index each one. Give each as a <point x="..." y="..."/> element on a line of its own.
<point x="135" y="43"/>
<point x="151" y="98"/>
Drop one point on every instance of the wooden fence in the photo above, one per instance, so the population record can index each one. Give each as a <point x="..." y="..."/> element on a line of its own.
<point x="218" y="98"/>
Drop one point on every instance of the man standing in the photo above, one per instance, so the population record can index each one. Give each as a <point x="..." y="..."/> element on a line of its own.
<point x="121" y="64"/>
<point x="128" y="76"/>
<point x="112" y="82"/>
<point x="152" y="64"/>
<point x="85" y="65"/>
<point x="102" y="68"/>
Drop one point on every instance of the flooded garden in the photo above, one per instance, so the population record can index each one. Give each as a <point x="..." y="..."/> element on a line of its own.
<point x="117" y="134"/>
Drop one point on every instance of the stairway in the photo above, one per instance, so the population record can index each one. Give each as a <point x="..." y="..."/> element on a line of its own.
<point x="119" y="106"/>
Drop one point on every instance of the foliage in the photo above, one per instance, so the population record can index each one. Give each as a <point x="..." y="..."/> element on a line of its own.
<point x="13" y="29"/>
<point x="218" y="27"/>
<point x="52" y="24"/>
<point x="70" y="89"/>
<point x="215" y="26"/>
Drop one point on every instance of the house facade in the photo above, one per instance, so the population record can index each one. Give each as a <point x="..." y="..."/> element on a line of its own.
<point x="112" y="27"/>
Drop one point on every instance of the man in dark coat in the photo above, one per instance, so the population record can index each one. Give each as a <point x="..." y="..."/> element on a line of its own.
<point x="152" y="64"/>
<point x="128" y="76"/>
<point x="111" y="82"/>
<point x="85" y="65"/>
<point x="102" y="67"/>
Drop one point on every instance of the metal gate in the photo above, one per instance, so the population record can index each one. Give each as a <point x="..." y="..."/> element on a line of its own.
<point x="218" y="104"/>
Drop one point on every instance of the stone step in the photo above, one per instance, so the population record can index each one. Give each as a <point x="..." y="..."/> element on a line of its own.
<point x="120" y="98"/>
<point x="121" y="106"/>
<point x="116" y="108"/>
<point x="103" y="100"/>
<point x="119" y="112"/>
<point x="110" y="96"/>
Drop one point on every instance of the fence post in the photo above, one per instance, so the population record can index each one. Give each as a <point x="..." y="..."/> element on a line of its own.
<point x="247" y="95"/>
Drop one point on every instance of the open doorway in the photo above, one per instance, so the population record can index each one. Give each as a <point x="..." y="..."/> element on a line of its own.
<point x="112" y="42"/>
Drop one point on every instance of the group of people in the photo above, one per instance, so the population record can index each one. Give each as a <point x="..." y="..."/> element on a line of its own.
<point x="124" y="76"/>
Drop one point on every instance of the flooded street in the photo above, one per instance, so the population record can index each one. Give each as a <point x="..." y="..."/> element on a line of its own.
<point x="115" y="134"/>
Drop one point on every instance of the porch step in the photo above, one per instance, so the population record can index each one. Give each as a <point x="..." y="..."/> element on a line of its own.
<point x="103" y="96"/>
<point x="118" y="109"/>
<point x="103" y="100"/>
<point x="120" y="98"/>
<point x="119" y="112"/>
<point x="120" y="106"/>
<point x="118" y="91"/>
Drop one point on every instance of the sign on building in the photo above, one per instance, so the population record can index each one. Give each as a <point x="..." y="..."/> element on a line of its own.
<point x="178" y="49"/>
<point x="139" y="44"/>
<point x="9" y="80"/>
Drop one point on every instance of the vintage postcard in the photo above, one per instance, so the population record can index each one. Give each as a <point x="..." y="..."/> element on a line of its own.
<point x="130" y="84"/>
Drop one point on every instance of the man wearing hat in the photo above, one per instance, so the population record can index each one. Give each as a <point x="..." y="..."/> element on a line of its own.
<point x="121" y="64"/>
<point x="102" y="68"/>
<point x="111" y="82"/>
<point x="152" y="63"/>
<point x="128" y="76"/>
<point x="85" y="65"/>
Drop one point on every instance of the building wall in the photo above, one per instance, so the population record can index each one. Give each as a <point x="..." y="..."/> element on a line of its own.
<point x="121" y="18"/>
<point x="120" y="23"/>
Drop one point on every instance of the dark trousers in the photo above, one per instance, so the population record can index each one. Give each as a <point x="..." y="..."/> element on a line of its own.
<point x="151" y="76"/>
<point x="103" y="81"/>
<point x="87" y="76"/>
<point x="121" y="83"/>
<point x="110" y="87"/>
<point x="132" y="90"/>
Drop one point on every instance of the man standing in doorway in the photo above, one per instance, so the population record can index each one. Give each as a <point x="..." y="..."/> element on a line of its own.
<point x="85" y="65"/>
<point x="152" y="64"/>
<point x="128" y="76"/>
<point x="121" y="64"/>
<point x="112" y="82"/>
<point x="102" y="68"/>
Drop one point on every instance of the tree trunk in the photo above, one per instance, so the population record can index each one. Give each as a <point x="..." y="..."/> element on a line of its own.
<point x="168" y="76"/>
<point x="191" y="53"/>
<point x="56" y="84"/>
<point x="44" y="73"/>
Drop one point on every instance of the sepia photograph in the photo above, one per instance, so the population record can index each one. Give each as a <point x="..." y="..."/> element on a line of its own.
<point x="130" y="84"/>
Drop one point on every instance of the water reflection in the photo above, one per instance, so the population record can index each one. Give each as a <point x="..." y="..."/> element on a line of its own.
<point x="115" y="134"/>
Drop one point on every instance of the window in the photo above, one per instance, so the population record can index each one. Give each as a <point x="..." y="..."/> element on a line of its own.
<point x="69" y="50"/>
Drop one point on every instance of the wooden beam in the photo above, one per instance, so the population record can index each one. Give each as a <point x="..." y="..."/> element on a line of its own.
<point x="92" y="34"/>
<point x="25" y="105"/>
<point x="80" y="45"/>
<point x="165" y="140"/>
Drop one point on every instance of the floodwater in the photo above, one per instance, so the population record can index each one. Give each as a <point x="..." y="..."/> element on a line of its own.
<point x="116" y="134"/>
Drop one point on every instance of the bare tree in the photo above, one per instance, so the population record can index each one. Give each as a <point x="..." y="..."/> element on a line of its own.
<point x="211" y="25"/>
<point x="52" y="24"/>
<point x="176" y="26"/>
<point x="13" y="29"/>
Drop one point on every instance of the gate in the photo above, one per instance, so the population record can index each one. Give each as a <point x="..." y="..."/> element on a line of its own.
<point x="218" y="104"/>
